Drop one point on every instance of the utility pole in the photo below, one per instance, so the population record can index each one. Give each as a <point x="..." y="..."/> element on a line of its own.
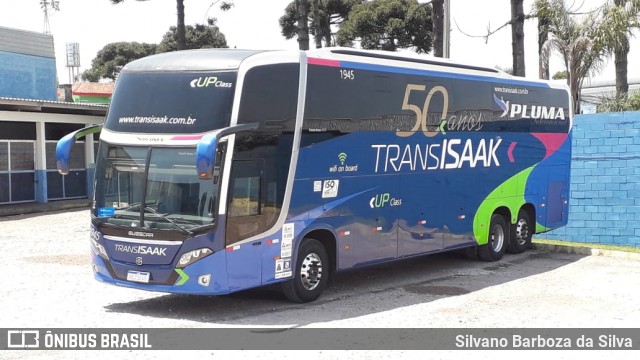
<point x="45" y="5"/>
<point x="446" y="33"/>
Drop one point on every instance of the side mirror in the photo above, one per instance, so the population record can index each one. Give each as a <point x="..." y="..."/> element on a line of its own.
<point x="63" y="147"/>
<point x="206" y="148"/>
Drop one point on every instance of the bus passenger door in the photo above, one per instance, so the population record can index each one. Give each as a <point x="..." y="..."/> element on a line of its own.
<point x="244" y="220"/>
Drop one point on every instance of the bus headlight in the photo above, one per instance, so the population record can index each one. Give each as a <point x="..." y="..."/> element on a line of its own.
<point x="192" y="256"/>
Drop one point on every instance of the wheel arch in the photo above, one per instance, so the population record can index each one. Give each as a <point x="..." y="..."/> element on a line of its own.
<point x="506" y="213"/>
<point x="308" y="284"/>
<point x="531" y="210"/>
<point x="483" y="219"/>
<point x="328" y="239"/>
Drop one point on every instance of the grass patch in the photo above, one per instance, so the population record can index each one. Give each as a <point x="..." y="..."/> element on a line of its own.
<point x="589" y="245"/>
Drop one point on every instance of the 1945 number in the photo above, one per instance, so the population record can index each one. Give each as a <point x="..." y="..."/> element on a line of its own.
<point x="347" y="74"/>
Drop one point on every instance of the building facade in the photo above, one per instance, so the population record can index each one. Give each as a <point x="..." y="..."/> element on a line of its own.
<point x="27" y="65"/>
<point x="29" y="130"/>
<point x="31" y="122"/>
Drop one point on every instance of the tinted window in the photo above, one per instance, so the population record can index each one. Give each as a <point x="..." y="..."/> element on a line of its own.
<point x="247" y="212"/>
<point x="341" y="100"/>
<point x="262" y="158"/>
<point x="55" y="131"/>
<point x="171" y="188"/>
<point x="180" y="102"/>
<point x="4" y="188"/>
<point x="75" y="184"/>
<point x="54" y="185"/>
<point x="4" y="156"/>
<point x="532" y="110"/>
<point x="270" y="97"/>
<point x="13" y="130"/>
<point x="22" y="156"/>
<point x="22" y="186"/>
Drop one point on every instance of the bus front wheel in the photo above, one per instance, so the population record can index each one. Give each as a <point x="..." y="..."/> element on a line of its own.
<point x="311" y="273"/>
<point x="496" y="245"/>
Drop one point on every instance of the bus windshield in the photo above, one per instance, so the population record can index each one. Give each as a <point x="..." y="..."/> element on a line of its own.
<point x="173" y="102"/>
<point x="152" y="188"/>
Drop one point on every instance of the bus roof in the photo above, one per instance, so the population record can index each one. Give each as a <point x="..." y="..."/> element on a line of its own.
<point x="411" y="60"/>
<point x="221" y="59"/>
<point x="192" y="60"/>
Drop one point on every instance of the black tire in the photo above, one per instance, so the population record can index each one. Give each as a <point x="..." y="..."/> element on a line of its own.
<point x="496" y="245"/>
<point x="521" y="233"/>
<point x="311" y="273"/>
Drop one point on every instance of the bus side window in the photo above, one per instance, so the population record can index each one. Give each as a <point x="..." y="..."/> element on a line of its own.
<point x="246" y="197"/>
<point x="246" y="200"/>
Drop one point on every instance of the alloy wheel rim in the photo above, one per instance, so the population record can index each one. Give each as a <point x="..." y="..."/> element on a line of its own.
<point x="522" y="231"/>
<point x="497" y="238"/>
<point x="311" y="271"/>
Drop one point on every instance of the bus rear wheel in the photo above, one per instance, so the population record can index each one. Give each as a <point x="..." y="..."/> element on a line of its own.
<point x="521" y="233"/>
<point x="496" y="245"/>
<point x="311" y="273"/>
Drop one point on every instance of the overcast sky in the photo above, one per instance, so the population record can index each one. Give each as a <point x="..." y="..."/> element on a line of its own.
<point x="253" y="24"/>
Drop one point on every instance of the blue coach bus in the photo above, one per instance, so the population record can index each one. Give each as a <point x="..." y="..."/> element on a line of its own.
<point x="224" y="170"/>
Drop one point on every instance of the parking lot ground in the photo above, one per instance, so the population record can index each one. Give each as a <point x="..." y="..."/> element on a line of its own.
<point x="48" y="283"/>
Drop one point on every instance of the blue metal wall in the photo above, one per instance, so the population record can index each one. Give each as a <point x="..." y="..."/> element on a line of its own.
<point x="605" y="181"/>
<point x="27" y="76"/>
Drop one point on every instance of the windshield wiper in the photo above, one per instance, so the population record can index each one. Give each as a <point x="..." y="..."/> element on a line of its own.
<point x="197" y="226"/>
<point x="182" y="220"/>
<point x="164" y="217"/>
<point x="131" y="208"/>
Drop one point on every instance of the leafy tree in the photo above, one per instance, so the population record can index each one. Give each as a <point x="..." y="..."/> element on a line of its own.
<point x="303" y="26"/>
<point x="289" y="22"/>
<point x="620" y="103"/>
<point x="321" y="16"/>
<point x="327" y="14"/>
<point x="180" y="27"/>
<point x="113" y="57"/>
<point x="619" y="18"/>
<point x="578" y="44"/>
<point x="196" y="37"/>
<point x="584" y="44"/>
<point x="543" y="12"/>
<point x="560" y="75"/>
<point x="388" y="25"/>
<point x="295" y="23"/>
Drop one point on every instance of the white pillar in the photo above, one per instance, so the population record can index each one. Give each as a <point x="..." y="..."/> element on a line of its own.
<point x="89" y="162"/>
<point x="41" y="164"/>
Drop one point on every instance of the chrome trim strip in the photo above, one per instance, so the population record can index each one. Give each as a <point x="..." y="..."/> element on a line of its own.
<point x="264" y="58"/>
<point x="142" y="241"/>
<point x="231" y="139"/>
<point x="284" y="212"/>
<point x="134" y="139"/>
